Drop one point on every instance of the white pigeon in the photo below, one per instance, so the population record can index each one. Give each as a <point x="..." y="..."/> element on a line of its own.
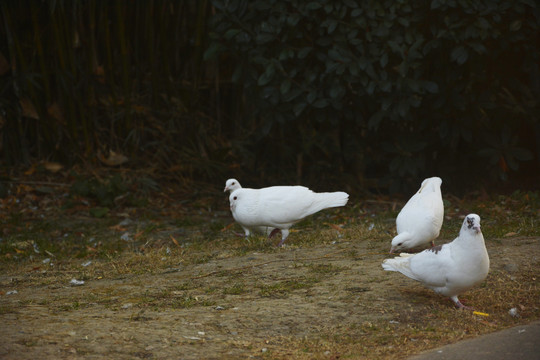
<point x="448" y="269"/>
<point x="420" y="220"/>
<point x="280" y="207"/>
<point x="233" y="184"/>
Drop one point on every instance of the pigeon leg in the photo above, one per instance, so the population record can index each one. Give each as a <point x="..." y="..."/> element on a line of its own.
<point x="459" y="304"/>
<point x="284" y="234"/>
<point x="274" y="232"/>
<point x="246" y="233"/>
<point x="432" y="243"/>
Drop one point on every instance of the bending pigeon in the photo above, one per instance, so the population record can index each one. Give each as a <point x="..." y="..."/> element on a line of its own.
<point x="280" y="207"/>
<point x="233" y="184"/>
<point x="448" y="269"/>
<point x="420" y="220"/>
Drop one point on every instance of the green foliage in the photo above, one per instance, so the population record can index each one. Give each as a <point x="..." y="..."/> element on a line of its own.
<point x="283" y="90"/>
<point x="105" y="192"/>
<point x="385" y="88"/>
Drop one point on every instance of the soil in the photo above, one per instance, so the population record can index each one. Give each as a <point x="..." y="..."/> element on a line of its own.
<point x="300" y="301"/>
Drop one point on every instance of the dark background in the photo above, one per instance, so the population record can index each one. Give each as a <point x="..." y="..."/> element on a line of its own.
<point x="368" y="96"/>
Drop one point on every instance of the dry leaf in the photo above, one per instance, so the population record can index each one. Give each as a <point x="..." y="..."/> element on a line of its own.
<point x="510" y="234"/>
<point x="334" y="226"/>
<point x="174" y="241"/>
<point x="118" y="228"/>
<point x="114" y="159"/>
<point x="227" y="227"/>
<point x="53" y="166"/>
<point x="55" y="112"/>
<point x="31" y="170"/>
<point x="28" y="109"/>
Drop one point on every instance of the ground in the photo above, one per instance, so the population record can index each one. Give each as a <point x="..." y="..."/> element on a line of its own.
<point x="170" y="279"/>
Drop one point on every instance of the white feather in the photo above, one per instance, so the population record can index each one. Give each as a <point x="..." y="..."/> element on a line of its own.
<point x="420" y="220"/>
<point x="233" y="184"/>
<point x="452" y="268"/>
<point x="280" y="206"/>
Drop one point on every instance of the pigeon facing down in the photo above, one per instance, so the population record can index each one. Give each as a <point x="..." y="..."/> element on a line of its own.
<point x="420" y="220"/>
<point x="279" y="207"/>
<point x="448" y="269"/>
<point x="233" y="184"/>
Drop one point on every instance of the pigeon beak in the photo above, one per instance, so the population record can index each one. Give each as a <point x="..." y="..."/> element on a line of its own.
<point x="392" y="250"/>
<point x="477" y="228"/>
<point x="226" y="188"/>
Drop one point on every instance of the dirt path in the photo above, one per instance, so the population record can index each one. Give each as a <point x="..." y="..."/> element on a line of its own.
<point x="324" y="301"/>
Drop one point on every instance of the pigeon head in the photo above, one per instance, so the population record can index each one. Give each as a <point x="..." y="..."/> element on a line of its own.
<point x="231" y="185"/>
<point x="401" y="242"/>
<point x="471" y="223"/>
<point x="233" y="199"/>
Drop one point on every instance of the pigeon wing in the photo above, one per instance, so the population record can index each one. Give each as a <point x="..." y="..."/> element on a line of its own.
<point x="285" y="204"/>
<point x="431" y="266"/>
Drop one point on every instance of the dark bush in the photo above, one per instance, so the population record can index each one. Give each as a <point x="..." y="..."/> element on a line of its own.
<point x="383" y="89"/>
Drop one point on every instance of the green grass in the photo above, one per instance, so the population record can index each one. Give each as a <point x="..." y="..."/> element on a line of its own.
<point x="282" y="289"/>
<point x="194" y="272"/>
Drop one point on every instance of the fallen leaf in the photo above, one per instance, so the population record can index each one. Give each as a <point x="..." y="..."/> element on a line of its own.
<point x="118" y="228"/>
<point x="114" y="159"/>
<point x="28" y="109"/>
<point x="510" y="234"/>
<point x="53" y="166"/>
<point x="227" y="227"/>
<point x="334" y="226"/>
<point x="55" y="112"/>
<point x="176" y="242"/>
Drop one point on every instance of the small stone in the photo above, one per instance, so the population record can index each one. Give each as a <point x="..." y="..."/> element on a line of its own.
<point x="219" y="307"/>
<point x="513" y="312"/>
<point x="511" y="267"/>
<point x="125" y="222"/>
<point x="264" y="350"/>
<point x="76" y="282"/>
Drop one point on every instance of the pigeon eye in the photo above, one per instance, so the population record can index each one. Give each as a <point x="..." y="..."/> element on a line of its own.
<point x="234" y="198"/>
<point x="233" y="183"/>
<point x="400" y="244"/>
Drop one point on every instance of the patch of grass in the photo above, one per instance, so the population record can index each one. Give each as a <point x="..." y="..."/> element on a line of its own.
<point x="172" y="299"/>
<point x="6" y="309"/>
<point x="190" y="301"/>
<point x="282" y="289"/>
<point x="236" y="289"/>
<point x="327" y="269"/>
<point x="186" y="285"/>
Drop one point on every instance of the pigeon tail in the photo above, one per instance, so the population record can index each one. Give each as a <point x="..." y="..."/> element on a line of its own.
<point x="400" y="264"/>
<point x="328" y="200"/>
<point x="433" y="184"/>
